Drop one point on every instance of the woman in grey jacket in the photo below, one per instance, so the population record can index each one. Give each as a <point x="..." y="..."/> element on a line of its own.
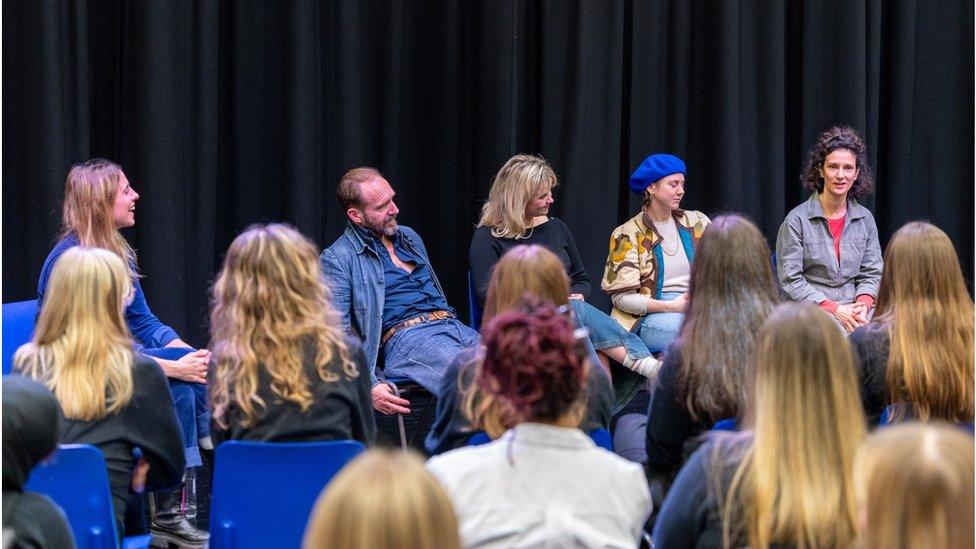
<point x="827" y="248"/>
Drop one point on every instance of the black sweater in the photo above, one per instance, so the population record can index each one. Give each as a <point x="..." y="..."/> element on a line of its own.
<point x="486" y="250"/>
<point x="147" y="422"/>
<point x="341" y="410"/>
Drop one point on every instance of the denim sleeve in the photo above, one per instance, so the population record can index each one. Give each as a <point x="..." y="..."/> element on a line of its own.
<point x="145" y="326"/>
<point x="339" y="284"/>
<point x="868" y="279"/>
<point x="789" y="262"/>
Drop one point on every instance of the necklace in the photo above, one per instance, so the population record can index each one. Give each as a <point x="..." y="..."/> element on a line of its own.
<point x="673" y="234"/>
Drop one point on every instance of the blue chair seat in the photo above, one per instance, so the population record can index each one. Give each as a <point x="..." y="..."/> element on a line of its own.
<point x="263" y="492"/>
<point x="18" y="326"/>
<point x="76" y="479"/>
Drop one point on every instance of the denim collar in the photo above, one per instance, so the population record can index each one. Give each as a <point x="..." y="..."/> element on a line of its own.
<point x="365" y="238"/>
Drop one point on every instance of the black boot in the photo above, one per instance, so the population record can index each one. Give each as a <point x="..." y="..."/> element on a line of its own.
<point x="169" y="523"/>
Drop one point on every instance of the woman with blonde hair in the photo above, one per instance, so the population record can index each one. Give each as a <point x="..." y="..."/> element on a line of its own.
<point x="914" y="487"/>
<point x="543" y="483"/>
<point x="917" y="353"/>
<point x="517" y="213"/>
<point x="383" y="499"/>
<point x="523" y="271"/>
<point x="284" y="370"/>
<point x="787" y="478"/>
<point x="706" y="375"/>
<point x="98" y="201"/>
<point x="111" y="396"/>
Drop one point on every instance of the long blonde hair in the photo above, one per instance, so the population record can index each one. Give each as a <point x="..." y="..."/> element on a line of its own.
<point x="793" y="485"/>
<point x="525" y="269"/>
<point x="82" y="349"/>
<point x="270" y="302"/>
<point x="405" y="506"/>
<point x="514" y="186"/>
<point x="89" y="197"/>
<point x="915" y="487"/>
<point x="927" y="310"/>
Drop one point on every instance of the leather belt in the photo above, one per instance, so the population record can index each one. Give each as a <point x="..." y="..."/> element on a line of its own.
<point x="426" y="317"/>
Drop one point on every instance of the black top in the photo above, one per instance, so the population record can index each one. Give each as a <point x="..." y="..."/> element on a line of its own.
<point x="871" y="348"/>
<point x="452" y="430"/>
<point x="341" y="410"/>
<point x="147" y="422"/>
<point x="670" y="427"/>
<point x="691" y="514"/>
<point x="31" y="416"/>
<point x="486" y="250"/>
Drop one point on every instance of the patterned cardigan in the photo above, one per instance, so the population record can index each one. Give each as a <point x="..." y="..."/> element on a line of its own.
<point x="635" y="259"/>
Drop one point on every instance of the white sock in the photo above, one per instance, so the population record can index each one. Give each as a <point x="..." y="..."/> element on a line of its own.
<point x="206" y="443"/>
<point x="647" y="366"/>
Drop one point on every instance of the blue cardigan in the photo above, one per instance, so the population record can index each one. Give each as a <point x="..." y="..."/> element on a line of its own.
<point x="147" y="330"/>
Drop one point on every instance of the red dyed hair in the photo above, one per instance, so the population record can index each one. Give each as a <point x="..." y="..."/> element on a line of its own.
<point x="532" y="364"/>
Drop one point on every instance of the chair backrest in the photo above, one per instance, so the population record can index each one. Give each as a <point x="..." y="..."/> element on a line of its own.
<point x="727" y="424"/>
<point x="76" y="479"/>
<point x="474" y="321"/>
<point x="18" y="325"/>
<point x="263" y="492"/>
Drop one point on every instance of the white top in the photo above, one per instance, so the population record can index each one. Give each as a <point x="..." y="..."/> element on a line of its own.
<point x="677" y="269"/>
<point x="544" y="486"/>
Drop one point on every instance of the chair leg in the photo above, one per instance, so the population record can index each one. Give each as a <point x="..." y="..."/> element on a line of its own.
<point x="400" y="425"/>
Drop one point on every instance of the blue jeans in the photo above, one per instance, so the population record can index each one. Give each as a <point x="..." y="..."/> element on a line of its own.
<point x="658" y="330"/>
<point x="190" y="403"/>
<point x="607" y="333"/>
<point x="423" y="351"/>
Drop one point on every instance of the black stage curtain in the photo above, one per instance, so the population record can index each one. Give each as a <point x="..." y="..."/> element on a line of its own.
<point x="228" y="113"/>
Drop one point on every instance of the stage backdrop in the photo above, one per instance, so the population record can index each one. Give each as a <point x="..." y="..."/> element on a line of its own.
<point x="227" y="113"/>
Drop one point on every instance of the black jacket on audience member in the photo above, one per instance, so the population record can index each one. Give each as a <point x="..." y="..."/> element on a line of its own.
<point x="341" y="410"/>
<point x="452" y="430"/>
<point x="871" y="348"/>
<point x="147" y="422"/>
<point x="30" y="432"/>
<point x="670" y="426"/>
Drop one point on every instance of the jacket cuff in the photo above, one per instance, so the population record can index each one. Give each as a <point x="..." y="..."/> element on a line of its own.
<point x="866" y="299"/>
<point x="828" y="306"/>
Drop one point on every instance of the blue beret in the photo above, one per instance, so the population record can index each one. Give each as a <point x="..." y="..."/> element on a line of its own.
<point x="655" y="167"/>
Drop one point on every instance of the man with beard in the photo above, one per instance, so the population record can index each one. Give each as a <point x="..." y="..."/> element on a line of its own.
<point x="385" y="289"/>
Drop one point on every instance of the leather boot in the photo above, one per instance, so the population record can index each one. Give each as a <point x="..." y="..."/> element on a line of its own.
<point x="169" y="523"/>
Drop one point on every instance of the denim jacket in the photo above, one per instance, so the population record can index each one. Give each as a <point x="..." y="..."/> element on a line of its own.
<point x="807" y="265"/>
<point x="354" y="273"/>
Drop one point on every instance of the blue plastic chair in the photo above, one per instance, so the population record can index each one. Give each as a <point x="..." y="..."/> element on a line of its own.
<point x="76" y="479"/>
<point x="263" y="492"/>
<point x="728" y="424"/>
<point x="474" y="321"/>
<point x="18" y="326"/>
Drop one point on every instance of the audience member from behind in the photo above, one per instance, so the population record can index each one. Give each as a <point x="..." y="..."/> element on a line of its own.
<point x="915" y="487"/>
<point x="706" y="373"/>
<point x="543" y="482"/>
<point x="787" y="479"/>
<point x="30" y="432"/>
<point x="917" y="353"/>
<point x="98" y="202"/>
<point x="112" y="397"/>
<point x="827" y="248"/>
<point x="285" y="370"/>
<point x="385" y="289"/>
<point x="524" y="270"/>
<point x="384" y="499"/>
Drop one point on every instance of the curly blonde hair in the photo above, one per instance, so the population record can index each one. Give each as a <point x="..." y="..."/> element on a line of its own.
<point x="269" y="305"/>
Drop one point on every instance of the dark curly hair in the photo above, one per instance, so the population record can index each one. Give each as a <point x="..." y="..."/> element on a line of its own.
<point x="532" y="364"/>
<point x="838" y="137"/>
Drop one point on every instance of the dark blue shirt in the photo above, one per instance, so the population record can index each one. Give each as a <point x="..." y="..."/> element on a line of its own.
<point x="406" y="295"/>
<point x="146" y="329"/>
